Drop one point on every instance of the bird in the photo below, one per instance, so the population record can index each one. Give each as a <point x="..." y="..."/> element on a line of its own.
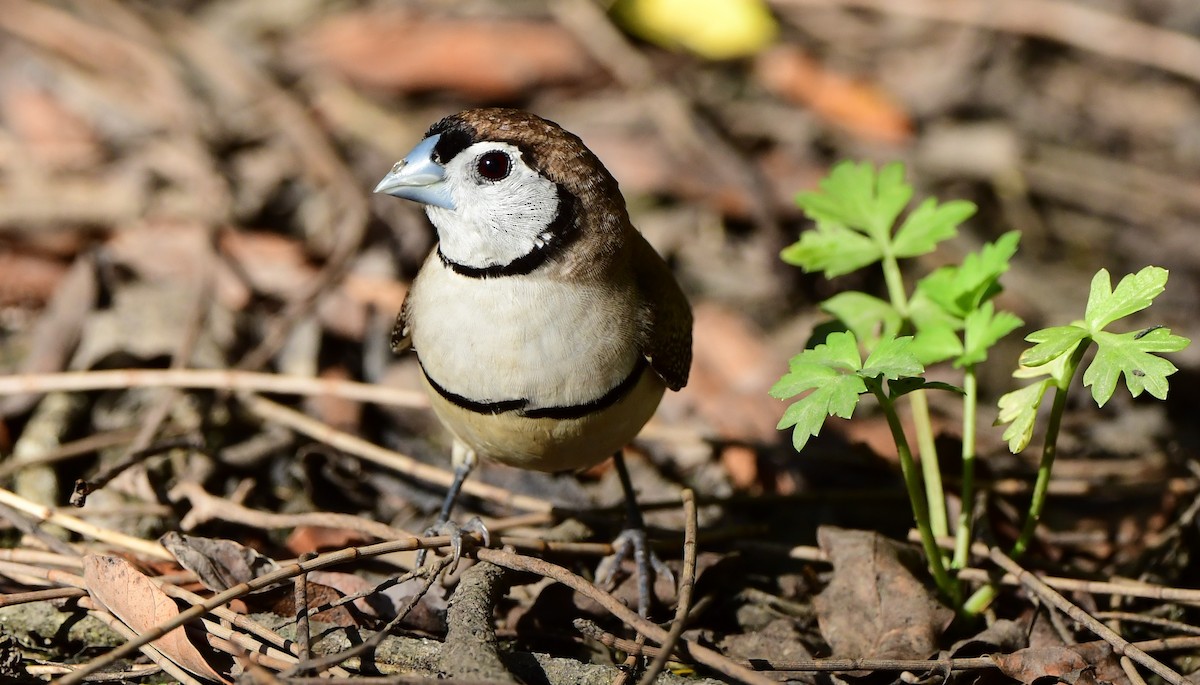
<point x="546" y="328"/>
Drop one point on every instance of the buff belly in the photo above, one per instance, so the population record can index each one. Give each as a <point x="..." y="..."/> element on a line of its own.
<point x="549" y="444"/>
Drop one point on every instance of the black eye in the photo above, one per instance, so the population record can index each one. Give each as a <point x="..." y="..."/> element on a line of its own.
<point x="493" y="165"/>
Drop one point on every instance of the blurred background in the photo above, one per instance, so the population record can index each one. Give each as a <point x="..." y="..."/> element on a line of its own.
<point x="189" y="183"/>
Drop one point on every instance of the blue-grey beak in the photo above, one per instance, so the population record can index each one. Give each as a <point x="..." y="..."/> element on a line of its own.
<point x="418" y="178"/>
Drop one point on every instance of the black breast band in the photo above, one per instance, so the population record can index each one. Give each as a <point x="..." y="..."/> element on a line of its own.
<point x="521" y="406"/>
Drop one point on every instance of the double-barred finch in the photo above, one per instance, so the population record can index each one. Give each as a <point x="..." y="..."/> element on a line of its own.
<point x="546" y="327"/>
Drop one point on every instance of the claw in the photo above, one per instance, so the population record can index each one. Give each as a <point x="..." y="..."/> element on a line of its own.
<point x="633" y="543"/>
<point x="456" y="533"/>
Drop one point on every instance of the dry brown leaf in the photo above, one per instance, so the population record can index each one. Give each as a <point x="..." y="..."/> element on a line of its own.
<point x="348" y="584"/>
<point x="741" y="463"/>
<point x="219" y="564"/>
<point x="271" y="263"/>
<point x="860" y="107"/>
<point x="346" y="310"/>
<point x="779" y="640"/>
<point x="317" y="594"/>
<point x="490" y="58"/>
<point x="874" y="606"/>
<point x="1038" y="663"/>
<point x="53" y="135"/>
<point x="304" y="539"/>
<point x="28" y="279"/>
<point x="163" y="250"/>
<point x="133" y="598"/>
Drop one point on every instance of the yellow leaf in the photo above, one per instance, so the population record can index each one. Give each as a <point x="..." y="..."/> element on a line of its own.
<point x="714" y="29"/>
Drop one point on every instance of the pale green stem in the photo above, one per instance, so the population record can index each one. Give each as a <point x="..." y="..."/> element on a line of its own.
<point x="962" y="537"/>
<point x="1049" y="451"/>
<point x="934" y="494"/>
<point x="984" y="595"/>
<point x="912" y="482"/>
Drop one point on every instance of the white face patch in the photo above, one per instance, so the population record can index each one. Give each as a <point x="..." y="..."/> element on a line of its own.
<point x="495" y="222"/>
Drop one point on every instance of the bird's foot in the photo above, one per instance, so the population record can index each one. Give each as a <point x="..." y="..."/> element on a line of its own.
<point x="457" y="534"/>
<point x="633" y="543"/>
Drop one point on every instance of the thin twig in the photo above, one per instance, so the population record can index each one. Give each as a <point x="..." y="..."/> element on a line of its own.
<point x="207" y="507"/>
<point x="303" y="650"/>
<point x="83" y="488"/>
<point x="1167" y="623"/>
<point x="32" y="529"/>
<point x="1120" y="645"/>
<point x="1131" y="671"/>
<point x="69" y="450"/>
<point x="15" y="598"/>
<point x="47" y="515"/>
<point x="687" y="582"/>
<point x="209" y="379"/>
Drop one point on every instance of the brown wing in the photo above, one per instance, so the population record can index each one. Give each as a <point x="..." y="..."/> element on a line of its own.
<point x="402" y="331"/>
<point x="668" y="325"/>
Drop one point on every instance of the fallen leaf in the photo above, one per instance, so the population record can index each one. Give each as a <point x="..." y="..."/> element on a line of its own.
<point x="1001" y="636"/>
<point x="219" y="564"/>
<point x="715" y="29"/>
<point x="305" y="539"/>
<point x="317" y="594"/>
<point x="272" y="264"/>
<point x="777" y="641"/>
<point x="489" y="59"/>
<point x="860" y="107"/>
<point x="54" y="135"/>
<point x="165" y="251"/>
<point x="874" y="606"/>
<point x="132" y="597"/>
<point x="28" y="279"/>
<point x="1034" y="664"/>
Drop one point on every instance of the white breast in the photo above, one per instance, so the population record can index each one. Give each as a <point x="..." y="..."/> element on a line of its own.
<point x="521" y="337"/>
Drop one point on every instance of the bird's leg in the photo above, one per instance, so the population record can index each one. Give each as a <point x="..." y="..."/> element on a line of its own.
<point x="634" y="540"/>
<point x="464" y="461"/>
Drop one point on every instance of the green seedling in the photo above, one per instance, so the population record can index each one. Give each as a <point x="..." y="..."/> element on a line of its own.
<point x="949" y="317"/>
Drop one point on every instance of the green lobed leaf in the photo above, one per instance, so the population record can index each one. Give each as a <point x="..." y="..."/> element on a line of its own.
<point x="802" y="376"/>
<point x="1134" y="293"/>
<point x="1019" y="409"/>
<point x="892" y="358"/>
<point x="961" y="289"/>
<point x="1052" y="343"/>
<point x="936" y="344"/>
<point x="929" y="224"/>
<point x="828" y="372"/>
<point x="831" y="248"/>
<point x="1131" y="355"/>
<point x="838" y="397"/>
<point x="867" y="316"/>
<point x="927" y="314"/>
<point x="983" y="328"/>
<point x="839" y="351"/>
<point x="855" y="196"/>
